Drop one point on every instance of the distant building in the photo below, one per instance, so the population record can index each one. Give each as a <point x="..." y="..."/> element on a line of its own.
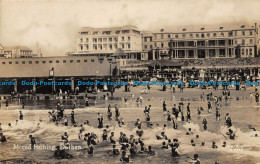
<point x="106" y="41"/>
<point x="18" y="52"/>
<point x="1" y="51"/>
<point x="219" y="43"/>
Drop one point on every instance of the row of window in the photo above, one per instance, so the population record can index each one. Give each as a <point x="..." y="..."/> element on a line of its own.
<point x="50" y="61"/>
<point x="202" y="43"/>
<point x="109" y="32"/>
<point x="95" y="40"/>
<point x="105" y="46"/>
<point x="202" y="35"/>
<point x="250" y="52"/>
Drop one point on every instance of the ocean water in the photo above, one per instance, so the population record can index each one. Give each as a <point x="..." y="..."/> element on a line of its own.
<point x="244" y="149"/>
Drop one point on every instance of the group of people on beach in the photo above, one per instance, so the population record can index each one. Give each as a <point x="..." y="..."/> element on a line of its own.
<point x="135" y="143"/>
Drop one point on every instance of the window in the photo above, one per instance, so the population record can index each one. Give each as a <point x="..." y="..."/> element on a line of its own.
<point x="50" y="61"/>
<point x="169" y="36"/>
<point x="236" y="42"/>
<point x="16" y="62"/>
<point x="10" y="62"/>
<point x="95" y="47"/>
<point x="197" y="35"/>
<point x="222" y="33"/>
<point x="106" y="32"/>
<point x="110" y="47"/>
<point x="202" y="35"/>
<point x="129" y="46"/>
<point x="117" y="32"/>
<point x="191" y="35"/>
<point x="81" y="40"/>
<point x="162" y="45"/>
<point x="155" y="36"/>
<point x="214" y="34"/>
<point x="57" y="61"/>
<point x="78" y="61"/>
<point x="151" y="46"/>
<point x="64" y="61"/>
<point x="86" y="39"/>
<point x="125" y="31"/>
<point x="23" y="62"/>
<point x="235" y="33"/>
<point x="36" y="62"/>
<point x="145" y="39"/>
<point x="30" y="62"/>
<point x="95" y="40"/>
<point x="85" y="61"/>
<point x="251" y="41"/>
<point x="92" y="60"/>
<point x="161" y="36"/>
<point x="99" y="39"/>
<point x="128" y="38"/>
<point x="123" y="46"/>
<point x="208" y="34"/>
<point x="115" y="38"/>
<point x="71" y="61"/>
<point x="183" y="35"/>
<point x="3" y="62"/>
<point x="250" y="51"/>
<point x="243" y="41"/>
<point x="251" y="33"/>
<point x="43" y="62"/>
<point x="176" y="36"/>
<point x="243" y="52"/>
<point x="145" y="46"/>
<point x="110" y="39"/>
<point x="87" y="46"/>
<point x="243" y="33"/>
<point x="123" y="39"/>
<point x="104" y="39"/>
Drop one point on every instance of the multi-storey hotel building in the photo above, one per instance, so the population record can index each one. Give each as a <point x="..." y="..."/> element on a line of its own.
<point x="185" y="44"/>
<point x="106" y="41"/>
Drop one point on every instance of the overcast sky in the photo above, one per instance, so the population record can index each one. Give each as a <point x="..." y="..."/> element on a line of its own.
<point x="53" y="24"/>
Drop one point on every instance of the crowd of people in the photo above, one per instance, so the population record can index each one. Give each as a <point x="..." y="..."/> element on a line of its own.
<point x="129" y="146"/>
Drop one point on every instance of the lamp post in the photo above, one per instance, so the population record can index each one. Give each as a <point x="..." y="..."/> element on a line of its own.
<point x="96" y="81"/>
<point x="51" y="74"/>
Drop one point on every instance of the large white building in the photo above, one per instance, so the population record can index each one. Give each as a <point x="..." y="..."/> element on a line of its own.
<point x="106" y="41"/>
<point x="203" y="43"/>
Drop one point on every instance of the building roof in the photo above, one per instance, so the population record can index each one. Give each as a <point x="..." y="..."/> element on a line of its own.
<point x="207" y="28"/>
<point x="10" y="48"/>
<point x="1" y="47"/>
<point x="106" y="31"/>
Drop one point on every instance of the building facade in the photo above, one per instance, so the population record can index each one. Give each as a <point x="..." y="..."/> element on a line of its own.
<point x="221" y="43"/>
<point x="106" y="41"/>
<point x="18" y="52"/>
